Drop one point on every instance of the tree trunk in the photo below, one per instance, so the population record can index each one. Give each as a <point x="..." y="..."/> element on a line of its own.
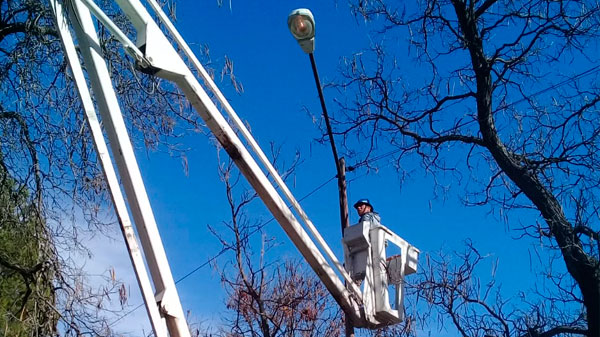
<point x="583" y="268"/>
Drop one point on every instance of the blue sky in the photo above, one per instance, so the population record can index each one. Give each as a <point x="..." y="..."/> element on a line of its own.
<point x="278" y="92"/>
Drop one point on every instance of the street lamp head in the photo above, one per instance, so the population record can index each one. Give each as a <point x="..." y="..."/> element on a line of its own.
<point x="302" y="25"/>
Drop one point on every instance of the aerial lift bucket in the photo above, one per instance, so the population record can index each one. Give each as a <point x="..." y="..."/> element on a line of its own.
<point x="366" y="248"/>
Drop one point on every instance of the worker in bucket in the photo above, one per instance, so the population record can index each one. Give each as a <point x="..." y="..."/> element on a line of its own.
<point x="366" y="212"/>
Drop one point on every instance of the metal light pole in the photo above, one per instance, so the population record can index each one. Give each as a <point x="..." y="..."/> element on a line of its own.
<point x="302" y="26"/>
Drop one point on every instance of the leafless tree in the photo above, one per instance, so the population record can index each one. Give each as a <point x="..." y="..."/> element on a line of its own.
<point x="451" y="292"/>
<point x="268" y="297"/>
<point x="500" y="97"/>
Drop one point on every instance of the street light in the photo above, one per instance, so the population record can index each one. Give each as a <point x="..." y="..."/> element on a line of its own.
<point x="301" y="23"/>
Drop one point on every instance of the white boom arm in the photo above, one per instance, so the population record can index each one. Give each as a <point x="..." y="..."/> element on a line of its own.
<point x="154" y="54"/>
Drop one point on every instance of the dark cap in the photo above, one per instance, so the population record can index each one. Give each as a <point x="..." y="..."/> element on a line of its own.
<point x="363" y="202"/>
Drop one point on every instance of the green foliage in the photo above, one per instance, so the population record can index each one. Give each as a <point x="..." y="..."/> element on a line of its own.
<point x="26" y="290"/>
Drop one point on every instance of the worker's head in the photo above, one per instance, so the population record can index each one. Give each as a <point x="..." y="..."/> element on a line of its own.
<point x="363" y="206"/>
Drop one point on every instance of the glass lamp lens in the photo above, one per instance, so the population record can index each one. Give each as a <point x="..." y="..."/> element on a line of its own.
<point x="302" y="27"/>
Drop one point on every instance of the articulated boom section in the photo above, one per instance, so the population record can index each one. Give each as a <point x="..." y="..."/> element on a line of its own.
<point x="364" y="245"/>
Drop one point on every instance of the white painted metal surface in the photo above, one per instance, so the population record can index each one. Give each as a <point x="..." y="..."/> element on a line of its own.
<point x="158" y="325"/>
<point x="166" y="294"/>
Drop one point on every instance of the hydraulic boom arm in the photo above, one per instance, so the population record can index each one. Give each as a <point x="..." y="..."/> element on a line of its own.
<point x="155" y="54"/>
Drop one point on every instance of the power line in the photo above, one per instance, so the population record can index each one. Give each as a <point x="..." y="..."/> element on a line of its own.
<point x="125" y="315"/>
<point x="590" y="71"/>
<point x="177" y="281"/>
<point x="371" y="160"/>
<point x="317" y="188"/>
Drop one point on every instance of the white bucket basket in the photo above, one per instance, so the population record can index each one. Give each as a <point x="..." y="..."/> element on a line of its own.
<point x="366" y="250"/>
